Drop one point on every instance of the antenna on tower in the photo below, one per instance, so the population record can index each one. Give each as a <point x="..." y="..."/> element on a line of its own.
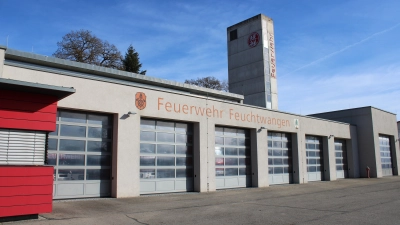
<point x="7" y="41"/>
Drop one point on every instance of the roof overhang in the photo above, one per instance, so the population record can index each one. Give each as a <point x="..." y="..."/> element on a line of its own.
<point x="23" y="86"/>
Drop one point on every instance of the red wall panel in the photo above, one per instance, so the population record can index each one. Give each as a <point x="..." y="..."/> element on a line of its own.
<point x="21" y="171"/>
<point x="25" y="195"/>
<point x="27" y="125"/>
<point x="24" y="190"/>
<point x="31" y="181"/>
<point x="26" y="209"/>
<point x="37" y="116"/>
<point x="27" y="111"/>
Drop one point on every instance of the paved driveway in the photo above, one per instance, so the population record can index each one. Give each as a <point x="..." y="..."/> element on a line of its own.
<point x="350" y="201"/>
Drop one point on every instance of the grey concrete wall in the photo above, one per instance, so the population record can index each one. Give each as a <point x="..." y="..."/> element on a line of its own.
<point x="352" y="154"/>
<point x="398" y="134"/>
<point x="204" y="113"/>
<point x="250" y="68"/>
<point x="2" y="52"/>
<point x="329" y="158"/>
<point x="370" y="122"/>
<point x="385" y="123"/>
<point x="398" y="128"/>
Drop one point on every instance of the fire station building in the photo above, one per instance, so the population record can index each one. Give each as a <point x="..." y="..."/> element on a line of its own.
<point x="113" y="133"/>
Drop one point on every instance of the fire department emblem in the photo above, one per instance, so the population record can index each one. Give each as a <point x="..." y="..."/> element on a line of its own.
<point x="253" y="39"/>
<point x="140" y="100"/>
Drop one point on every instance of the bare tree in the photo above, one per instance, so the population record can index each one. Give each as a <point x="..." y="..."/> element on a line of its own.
<point x="83" y="46"/>
<point x="209" y="82"/>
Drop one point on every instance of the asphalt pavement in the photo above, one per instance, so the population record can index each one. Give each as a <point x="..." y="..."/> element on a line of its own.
<point x="346" y="201"/>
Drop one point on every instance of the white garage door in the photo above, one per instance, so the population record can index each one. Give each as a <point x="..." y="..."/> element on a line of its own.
<point x="386" y="155"/>
<point x="314" y="158"/>
<point x="80" y="150"/>
<point x="341" y="158"/>
<point x="232" y="158"/>
<point x="279" y="158"/>
<point x="166" y="156"/>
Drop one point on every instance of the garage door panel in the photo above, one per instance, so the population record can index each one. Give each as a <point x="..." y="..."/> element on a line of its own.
<point x="184" y="184"/>
<point x="147" y="186"/>
<point x="279" y="158"/>
<point x="232" y="182"/>
<point x="314" y="176"/>
<point x="165" y="185"/>
<point x="98" y="188"/>
<point x="71" y="189"/>
<point x="219" y="183"/>
<point x="340" y="174"/>
<point x="165" y="156"/>
<point x="341" y="159"/>
<point x="232" y="157"/>
<point x="314" y="158"/>
<point x="80" y="151"/>
<point x="386" y="155"/>
<point x="243" y="181"/>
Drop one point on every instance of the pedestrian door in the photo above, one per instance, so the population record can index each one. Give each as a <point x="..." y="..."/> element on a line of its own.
<point x="314" y="158"/>
<point x="166" y="156"/>
<point x="386" y="156"/>
<point x="341" y="158"/>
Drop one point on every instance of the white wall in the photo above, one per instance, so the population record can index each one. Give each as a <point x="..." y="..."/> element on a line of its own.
<point x="117" y="99"/>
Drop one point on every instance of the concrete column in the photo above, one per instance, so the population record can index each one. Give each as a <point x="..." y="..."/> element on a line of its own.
<point x="201" y="147"/>
<point x="296" y="159"/>
<point x="259" y="157"/>
<point x="352" y="154"/>
<point x="2" y="56"/>
<point x="301" y="143"/>
<point x="329" y="159"/>
<point x="210" y="182"/>
<point x="127" y="156"/>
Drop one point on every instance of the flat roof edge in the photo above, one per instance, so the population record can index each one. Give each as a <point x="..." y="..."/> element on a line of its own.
<point x="342" y="110"/>
<point x="249" y="20"/>
<point x="17" y="85"/>
<point x="294" y="114"/>
<point x="117" y="74"/>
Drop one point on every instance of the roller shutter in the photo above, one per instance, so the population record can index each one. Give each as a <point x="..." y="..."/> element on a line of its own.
<point x="19" y="147"/>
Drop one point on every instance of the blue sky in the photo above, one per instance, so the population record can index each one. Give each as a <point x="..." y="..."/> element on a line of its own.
<point x="331" y="55"/>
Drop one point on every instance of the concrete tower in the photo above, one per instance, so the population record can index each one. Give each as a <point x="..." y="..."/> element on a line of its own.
<point x="251" y="61"/>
